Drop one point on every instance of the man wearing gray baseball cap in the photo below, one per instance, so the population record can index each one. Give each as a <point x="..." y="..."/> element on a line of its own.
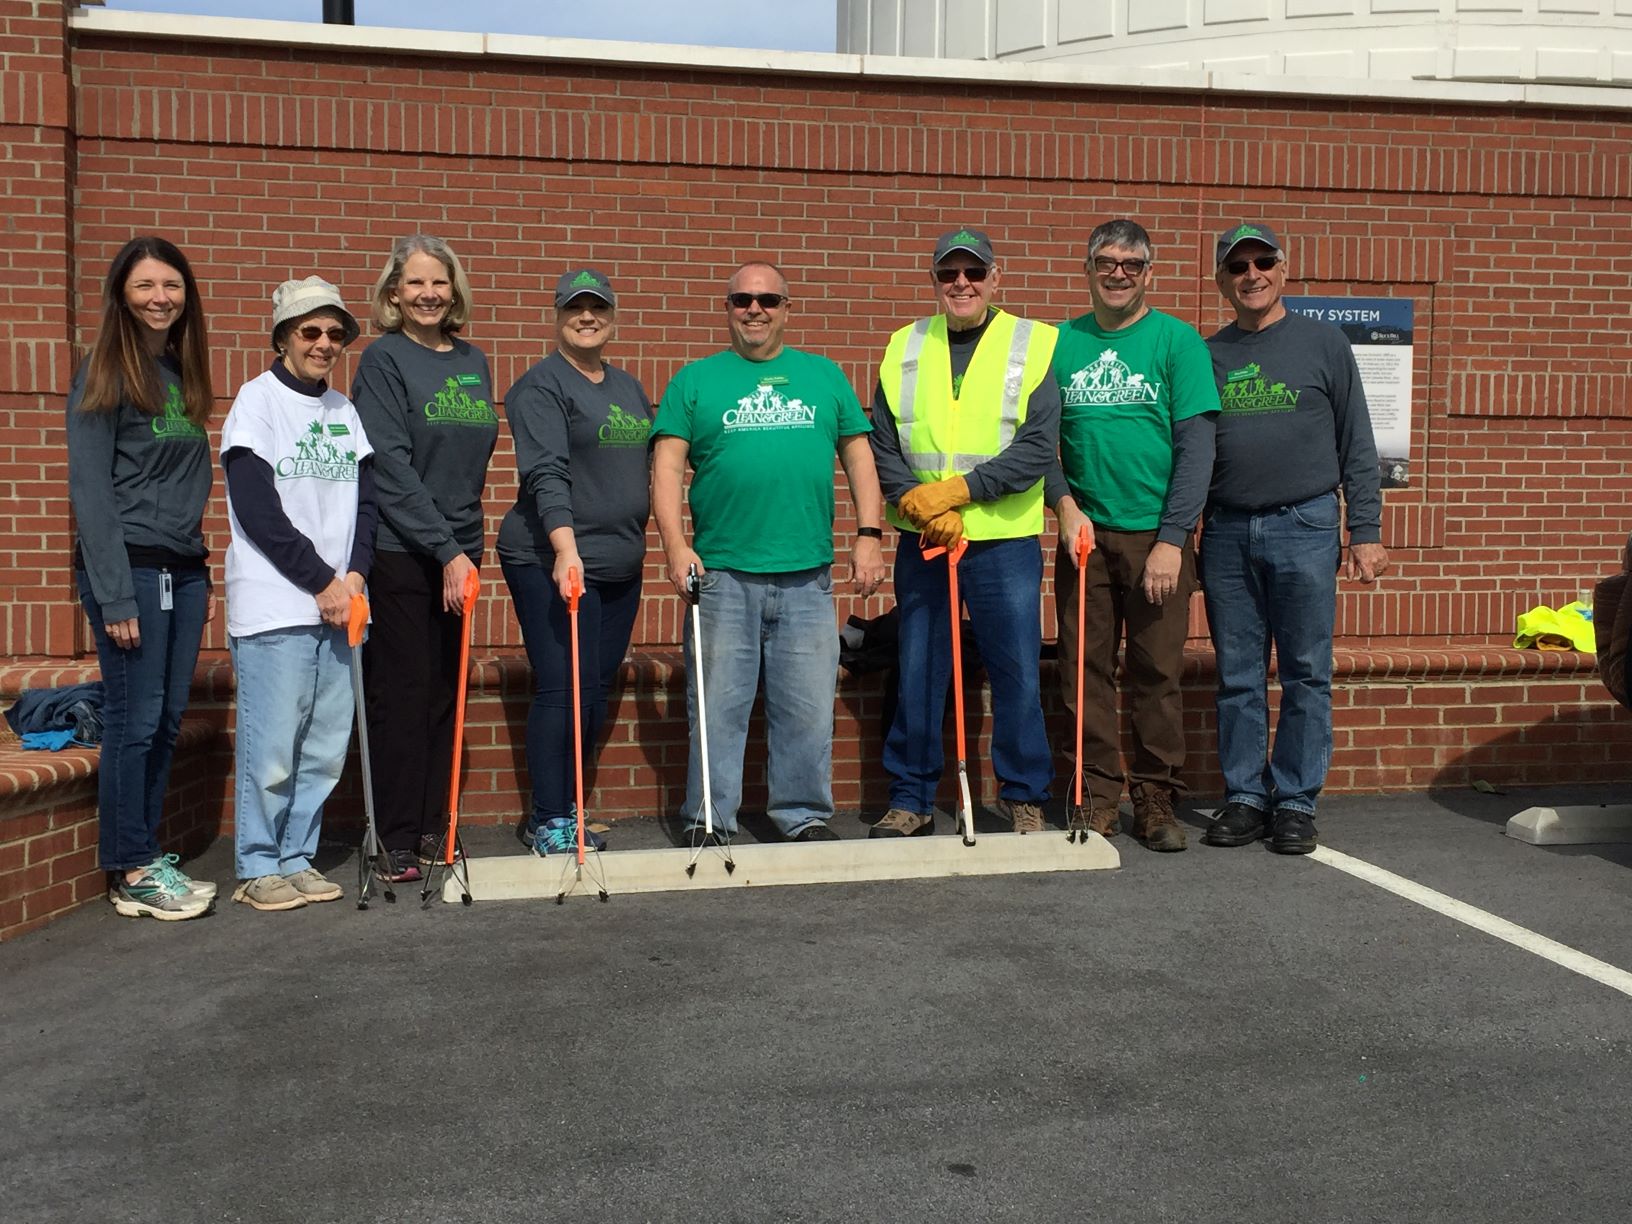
<point x="1293" y="428"/>
<point x="966" y="420"/>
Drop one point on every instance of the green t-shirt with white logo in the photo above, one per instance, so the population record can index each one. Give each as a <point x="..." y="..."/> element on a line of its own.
<point x="1121" y="393"/>
<point x="762" y="436"/>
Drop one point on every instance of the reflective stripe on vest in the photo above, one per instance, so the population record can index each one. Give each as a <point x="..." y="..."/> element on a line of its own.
<point x="1008" y="422"/>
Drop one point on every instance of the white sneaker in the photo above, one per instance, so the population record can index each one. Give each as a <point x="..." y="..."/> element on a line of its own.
<point x="269" y="892"/>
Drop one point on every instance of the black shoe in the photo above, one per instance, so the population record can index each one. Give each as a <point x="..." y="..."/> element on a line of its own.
<point x="1292" y="832"/>
<point x="1237" y="824"/>
<point x="815" y="833"/>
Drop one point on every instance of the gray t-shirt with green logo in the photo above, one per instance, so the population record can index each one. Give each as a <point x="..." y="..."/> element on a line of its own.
<point x="1293" y="422"/>
<point x="135" y="482"/>
<point x="431" y="420"/>
<point x="582" y="462"/>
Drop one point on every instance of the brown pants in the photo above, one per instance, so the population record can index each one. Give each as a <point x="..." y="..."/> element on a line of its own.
<point x="1155" y="657"/>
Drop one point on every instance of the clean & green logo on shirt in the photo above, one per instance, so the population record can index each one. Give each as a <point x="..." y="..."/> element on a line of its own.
<point x="317" y="457"/>
<point x="1108" y="380"/>
<point x="174" y="425"/>
<point x="768" y="408"/>
<point x="453" y="405"/>
<point x="623" y="429"/>
<point x="1247" y="390"/>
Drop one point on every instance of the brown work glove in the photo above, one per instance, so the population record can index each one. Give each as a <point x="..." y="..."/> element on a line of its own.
<point x="944" y="530"/>
<point x="934" y="499"/>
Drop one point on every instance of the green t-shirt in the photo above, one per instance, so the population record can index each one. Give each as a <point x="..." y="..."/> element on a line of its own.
<point x="1120" y="394"/>
<point x="762" y="437"/>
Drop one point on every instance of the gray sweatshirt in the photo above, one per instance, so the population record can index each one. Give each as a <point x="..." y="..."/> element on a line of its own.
<point x="430" y="419"/>
<point x="1294" y="422"/>
<point x="138" y="485"/>
<point x="583" y="463"/>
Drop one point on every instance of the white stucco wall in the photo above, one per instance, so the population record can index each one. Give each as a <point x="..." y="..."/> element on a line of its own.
<point x="1586" y="42"/>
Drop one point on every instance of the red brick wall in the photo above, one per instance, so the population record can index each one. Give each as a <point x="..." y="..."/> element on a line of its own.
<point x="1509" y="228"/>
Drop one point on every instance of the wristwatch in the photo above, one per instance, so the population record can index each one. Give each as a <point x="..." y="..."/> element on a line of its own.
<point x="871" y="533"/>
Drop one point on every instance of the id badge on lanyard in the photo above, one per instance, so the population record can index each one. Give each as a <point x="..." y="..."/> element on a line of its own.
<point x="167" y="592"/>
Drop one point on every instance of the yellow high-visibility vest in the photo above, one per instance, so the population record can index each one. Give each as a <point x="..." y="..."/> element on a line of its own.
<point x="943" y="435"/>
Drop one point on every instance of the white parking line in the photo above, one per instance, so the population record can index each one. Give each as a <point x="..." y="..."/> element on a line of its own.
<point x="1479" y="920"/>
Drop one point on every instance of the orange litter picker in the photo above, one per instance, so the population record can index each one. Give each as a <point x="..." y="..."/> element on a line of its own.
<point x="966" y="808"/>
<point x="1076" y="817"/>
<point x="449" y="851"/>
<point x="575" y="586"/>
<point x="372" y="854"/>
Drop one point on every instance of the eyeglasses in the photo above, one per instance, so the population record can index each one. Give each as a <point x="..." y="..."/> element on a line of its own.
<point x="766" y="301"/>
<point x="1104" y="265"/>
<point x="1263" y="263"/>
<point x="312" y="333"/>
<point x="974" y="275"/>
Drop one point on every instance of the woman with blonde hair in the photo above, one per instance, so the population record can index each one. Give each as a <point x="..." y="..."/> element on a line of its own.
<point x="426" y="399"/>
<point x="138" y="478"/>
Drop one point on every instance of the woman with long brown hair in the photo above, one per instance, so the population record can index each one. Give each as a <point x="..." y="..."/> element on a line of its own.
<point x="138" y="477"/>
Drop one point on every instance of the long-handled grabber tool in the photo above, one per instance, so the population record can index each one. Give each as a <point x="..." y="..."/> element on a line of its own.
<point x="966" y="808"/>
<point x="1077" y="817"/>
<point x="575" y="587"/>
<point x="694" y="593"/>
<point x="373" y="854"/>
<point x="450" y="852"/>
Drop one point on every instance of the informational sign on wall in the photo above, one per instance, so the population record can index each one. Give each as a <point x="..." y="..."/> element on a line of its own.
<point x="1379" y="331"/>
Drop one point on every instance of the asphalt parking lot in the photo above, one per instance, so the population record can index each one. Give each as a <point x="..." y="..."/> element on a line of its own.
<point x="1217" y="1035"/>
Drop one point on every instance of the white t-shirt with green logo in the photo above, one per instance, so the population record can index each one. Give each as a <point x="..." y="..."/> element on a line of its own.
<point x="313" y="446"/>
<point x="762" y="436"/>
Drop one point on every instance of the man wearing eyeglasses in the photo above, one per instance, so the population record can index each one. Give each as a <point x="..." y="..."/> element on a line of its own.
<point x="1136" y="451"/>
<point x="1294" y="427"/>
<point x="965" y="425"/>
<point x="759" y="424"/>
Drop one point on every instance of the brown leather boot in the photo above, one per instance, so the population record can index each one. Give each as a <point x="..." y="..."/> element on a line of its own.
<point x="1153" y="819"/>
<point x="1101" y="818"/>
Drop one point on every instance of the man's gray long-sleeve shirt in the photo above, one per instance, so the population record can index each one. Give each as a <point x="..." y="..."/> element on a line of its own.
<point x="1294" y="422"/>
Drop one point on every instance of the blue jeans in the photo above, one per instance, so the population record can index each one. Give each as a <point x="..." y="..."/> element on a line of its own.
<point x="294" y="725"/>
<point x="606" y="617"/>
<point x="780" y="626"/>
<point x="145" y="693"/>
<point x="1000" y="585"/>
<point x="1270" y="576"/>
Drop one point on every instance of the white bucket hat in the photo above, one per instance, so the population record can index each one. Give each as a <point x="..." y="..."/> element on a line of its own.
<point x="295" y="299"/>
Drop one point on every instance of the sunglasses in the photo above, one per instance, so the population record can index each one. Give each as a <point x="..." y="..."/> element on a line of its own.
<point x="974" y="275"/>
<point x="1262" y="262"/>
<point x="312" y="333"/>
<point x="1104" y="265"/>
<point x="766" y="301"/>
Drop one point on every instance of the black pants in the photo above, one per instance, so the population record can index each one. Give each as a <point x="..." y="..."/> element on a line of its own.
<point x="410" y="674"/>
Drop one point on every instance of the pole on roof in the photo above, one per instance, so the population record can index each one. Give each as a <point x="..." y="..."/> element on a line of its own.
<point x="339" y="12"/>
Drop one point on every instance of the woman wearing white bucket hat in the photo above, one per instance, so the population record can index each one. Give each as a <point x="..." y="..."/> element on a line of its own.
<point x="300" y="500"/>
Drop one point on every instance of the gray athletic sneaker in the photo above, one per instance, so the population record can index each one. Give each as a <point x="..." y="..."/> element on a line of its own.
<point x="269" y="892"/>
<point x="314" y="885"/>
<point x="151" y="895"/>
<point x="165" y="866"/>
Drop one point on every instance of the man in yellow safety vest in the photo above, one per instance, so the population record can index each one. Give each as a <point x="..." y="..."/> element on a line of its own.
<point x="965" y="424"/>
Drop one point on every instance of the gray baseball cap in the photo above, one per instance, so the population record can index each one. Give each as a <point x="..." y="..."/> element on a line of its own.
<point x="1251" y="232"/>
<point x="583" y="280"/>
<point x="965" y="239"/>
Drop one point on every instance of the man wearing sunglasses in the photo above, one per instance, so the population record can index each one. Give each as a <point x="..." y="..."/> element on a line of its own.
<point x="759" y="424"/>
<point x="965" y="426"/>
<point x="1136" y="451"/>
<point x="1294" y="427"/>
